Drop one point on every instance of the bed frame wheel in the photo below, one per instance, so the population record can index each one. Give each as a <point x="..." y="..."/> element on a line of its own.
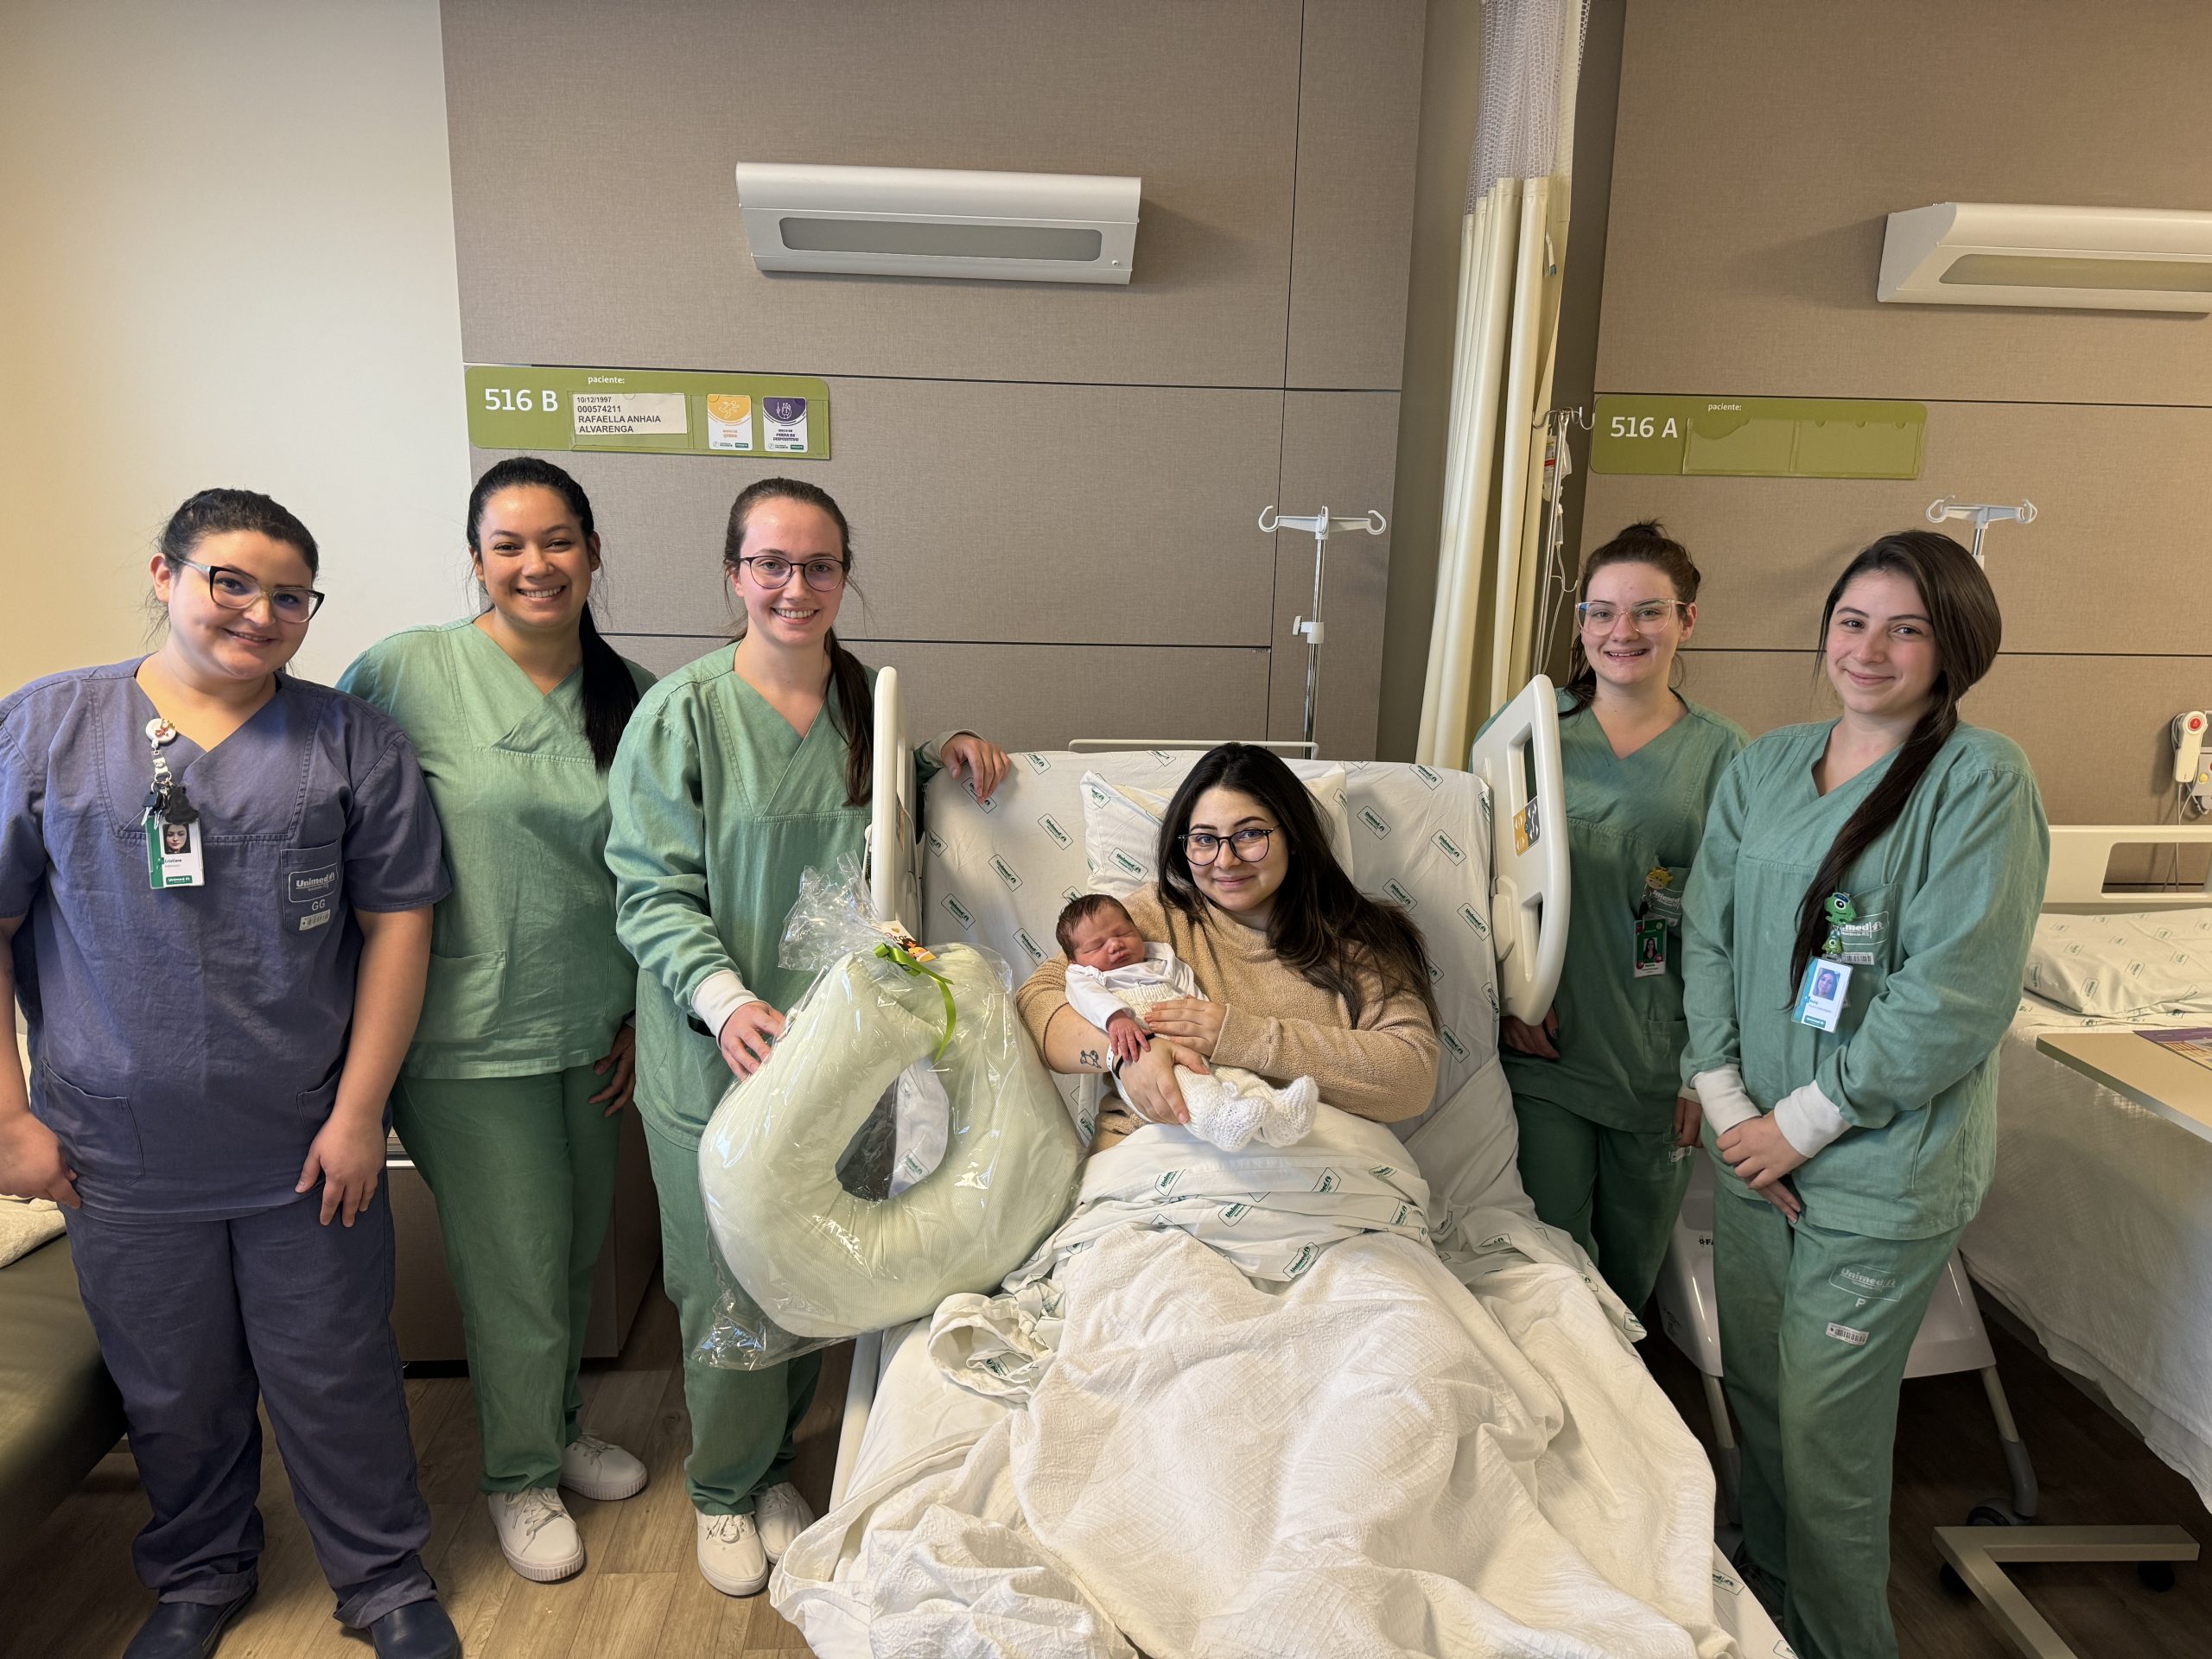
<point x="1994" y="1515"/>
<point x="2156" y="1576"/>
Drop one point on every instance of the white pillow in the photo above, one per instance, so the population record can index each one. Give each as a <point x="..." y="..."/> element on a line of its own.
<point x="1121" y="828"/>
<point x="2130" y="963"/>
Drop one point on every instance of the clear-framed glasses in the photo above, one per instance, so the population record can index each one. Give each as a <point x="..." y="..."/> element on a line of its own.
<point x="1203" y="846"/>
<point x="773" y="570"/>
<point x="234" y="590"/>
<point x="1652" y="613"/>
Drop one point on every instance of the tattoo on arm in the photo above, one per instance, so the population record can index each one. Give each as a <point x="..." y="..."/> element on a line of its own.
<point x="1090" y="1057"/>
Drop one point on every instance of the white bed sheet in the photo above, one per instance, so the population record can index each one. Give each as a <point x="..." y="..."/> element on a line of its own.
<point x="2097" y="1233"/>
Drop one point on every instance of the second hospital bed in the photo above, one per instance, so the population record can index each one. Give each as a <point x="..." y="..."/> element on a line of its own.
<point x="996" y="875"/>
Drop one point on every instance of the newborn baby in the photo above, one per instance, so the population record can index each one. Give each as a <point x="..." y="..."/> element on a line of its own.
<point x="1114" y="976"/>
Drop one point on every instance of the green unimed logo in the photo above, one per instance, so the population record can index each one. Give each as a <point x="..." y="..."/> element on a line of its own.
<point x="1129" y="866"/>
<point x="1006" y="872"/>
<point x="1094" y="795"/>
<point x="1307" y="1254"/>
<point x="1401" y="895"/>
<point x="1376" y="822"/>
<point x="1327" y="1181"/>
<point x="1067" y="894"/>
<point x="937" y="844"/>
<point x="1022" y="938"/>
<point x="1450" y="848"/>
<point x="1037" y="762"/>
<point x="1458" y="1049"/>
<point x="1434" y="781"/>
<point x="1060" y="837"/>
<point x="1382" y="1172"/>
<point x="1165" y="1184"/>
<point x="1473" y="918"/>
<point x="960" y="911"/>
<point x="1236" y="1212"/>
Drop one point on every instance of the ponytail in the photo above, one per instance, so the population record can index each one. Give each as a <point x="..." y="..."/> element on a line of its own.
<point x="1644" y="542"/>
<point x="609" y="693"/>
<point x="1967" y="628"/>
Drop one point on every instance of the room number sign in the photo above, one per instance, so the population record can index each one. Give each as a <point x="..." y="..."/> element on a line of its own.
<point x="651" y="411"/>
<point x="1758" y="437"/>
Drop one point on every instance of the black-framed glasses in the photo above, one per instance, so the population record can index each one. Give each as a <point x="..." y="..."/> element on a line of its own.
<point x="1652" y="613"/>
<point x="1203" y="846"/>
<point x="234" y="590"/>
<point x="773" y="570"/>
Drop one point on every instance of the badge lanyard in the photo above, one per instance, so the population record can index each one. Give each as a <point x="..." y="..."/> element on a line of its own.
<point x="1827" y="976"/>
<point x="1661" y="908"/>
<point x="172" y="823"/>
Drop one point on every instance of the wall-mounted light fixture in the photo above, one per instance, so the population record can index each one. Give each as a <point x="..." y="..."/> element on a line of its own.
<point x="2096" y="258"/>
<point x="917" y="221"/>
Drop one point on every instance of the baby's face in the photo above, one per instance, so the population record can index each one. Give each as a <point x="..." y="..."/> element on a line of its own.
<point x="1107" y="940"/>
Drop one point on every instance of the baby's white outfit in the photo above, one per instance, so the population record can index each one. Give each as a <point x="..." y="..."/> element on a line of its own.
<point x="1229" y="1105"/>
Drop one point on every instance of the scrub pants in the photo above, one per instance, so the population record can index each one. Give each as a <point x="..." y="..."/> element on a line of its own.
<point x="742" y="1422"/>
<point x="1617" y="1190"/>
<point x="196" y="1319"/>
<point x="523" y="1172"/>
<point x="1816" y="1327"/>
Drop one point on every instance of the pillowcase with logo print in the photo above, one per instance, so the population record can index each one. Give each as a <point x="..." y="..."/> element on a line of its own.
<point x="1121" y="828"/>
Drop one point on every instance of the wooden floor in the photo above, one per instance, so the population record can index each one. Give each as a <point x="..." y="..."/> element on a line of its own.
<point x="73" y="1595"/>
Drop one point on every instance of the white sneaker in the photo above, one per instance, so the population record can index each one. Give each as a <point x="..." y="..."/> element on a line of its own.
<point x="591" y="1468"/>
<point x="730" y="1556"/>
<point x="536" y="1533"/>
<point x="781" y="1515"/>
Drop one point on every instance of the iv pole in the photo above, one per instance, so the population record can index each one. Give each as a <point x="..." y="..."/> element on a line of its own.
<point x="1983" y="516"/>
<point x="1320" y="523"/>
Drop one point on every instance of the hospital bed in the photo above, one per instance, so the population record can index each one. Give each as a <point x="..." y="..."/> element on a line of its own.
<point x="1479" y="861"/>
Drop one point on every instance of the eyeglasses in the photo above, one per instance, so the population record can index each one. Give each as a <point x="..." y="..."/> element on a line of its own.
<point x="1652" y="613"/>
<point x="773" y="570"/>
<point x="234" y="590"/>
<point x="1203" y="846"/>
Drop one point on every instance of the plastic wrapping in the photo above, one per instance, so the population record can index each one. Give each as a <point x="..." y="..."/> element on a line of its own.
<point x="815" y="1260"/>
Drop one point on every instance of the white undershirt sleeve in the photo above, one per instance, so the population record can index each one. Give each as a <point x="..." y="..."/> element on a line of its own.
<point x="720" y="994"/>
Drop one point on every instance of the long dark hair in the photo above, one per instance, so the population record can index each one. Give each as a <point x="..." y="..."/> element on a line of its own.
<point x="853" y="710"/>
<point x="609" y="693"/>
<point x="1645" y="543"/>
<point x="1323" y="927"/>
<point x="1963" y="619"/>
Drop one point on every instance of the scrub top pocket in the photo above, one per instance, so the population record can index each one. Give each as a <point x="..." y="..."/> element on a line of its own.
<point x="99" y="1132"/>
<point x="462" y="1000"/>
<point x="311" y="883"/>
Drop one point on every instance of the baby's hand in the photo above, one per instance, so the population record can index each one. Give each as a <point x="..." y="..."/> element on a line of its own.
<point x="1126" y="1036"/>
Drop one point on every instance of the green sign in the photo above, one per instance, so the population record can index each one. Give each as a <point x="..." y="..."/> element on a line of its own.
<point x="1758" y="437"/>
<point x="651" y="411"/>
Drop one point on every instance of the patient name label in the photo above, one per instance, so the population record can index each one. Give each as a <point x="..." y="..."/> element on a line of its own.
<point x="630" y="414"/>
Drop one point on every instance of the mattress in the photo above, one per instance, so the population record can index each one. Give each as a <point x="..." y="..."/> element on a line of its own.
<point x="2097" y="1233"/>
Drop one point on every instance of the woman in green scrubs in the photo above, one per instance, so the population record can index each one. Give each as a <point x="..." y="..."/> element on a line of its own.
<point x="1855" y="936"/>
<point x="507" y="1100"/>
<point x="740" y="771"/>
<point x="1605" y="1127"/>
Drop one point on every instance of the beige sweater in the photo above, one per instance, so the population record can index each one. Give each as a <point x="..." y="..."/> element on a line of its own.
<point x="1274" y="1022"/>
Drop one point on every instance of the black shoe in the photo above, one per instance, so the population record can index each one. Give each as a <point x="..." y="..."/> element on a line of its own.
<point x="418" y="1630"/>
<point x="185" y="1630"/>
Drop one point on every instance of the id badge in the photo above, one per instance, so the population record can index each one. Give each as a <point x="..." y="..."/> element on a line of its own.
<point x="1650" y="949"/>
<point x="1819" y="999"/>
<point x="172" y="855"/>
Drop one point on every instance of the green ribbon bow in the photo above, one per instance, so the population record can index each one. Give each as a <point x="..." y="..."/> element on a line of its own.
<point x="900" y="959"/>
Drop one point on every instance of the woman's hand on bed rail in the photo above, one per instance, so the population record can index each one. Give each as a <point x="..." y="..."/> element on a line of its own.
<point x="1148" y="1084"/>
<point x="748" y="1035"/>
<point x="1531" y="1039"/>
<point x="1194" y="1023"/>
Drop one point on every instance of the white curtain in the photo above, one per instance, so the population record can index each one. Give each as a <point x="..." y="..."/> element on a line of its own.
<point x="1512" y="250"/>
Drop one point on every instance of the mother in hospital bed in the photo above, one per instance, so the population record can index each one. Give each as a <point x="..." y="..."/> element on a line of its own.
<point x="1304" y="974"/>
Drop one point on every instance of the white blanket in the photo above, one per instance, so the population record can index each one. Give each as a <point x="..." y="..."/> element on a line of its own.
<point x="1361" y="1458"/>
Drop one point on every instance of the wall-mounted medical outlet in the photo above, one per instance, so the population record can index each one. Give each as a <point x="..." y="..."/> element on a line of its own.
<point x="2192" y="767"/>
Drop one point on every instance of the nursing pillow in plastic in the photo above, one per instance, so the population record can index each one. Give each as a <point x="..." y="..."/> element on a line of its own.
<point x="823" y="1263"/>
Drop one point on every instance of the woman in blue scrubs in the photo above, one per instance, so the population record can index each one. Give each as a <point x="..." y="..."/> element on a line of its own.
<point x="216" y="884"/>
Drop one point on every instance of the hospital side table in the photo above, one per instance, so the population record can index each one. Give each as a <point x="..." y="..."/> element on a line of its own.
<point x="2180" y="1090"/>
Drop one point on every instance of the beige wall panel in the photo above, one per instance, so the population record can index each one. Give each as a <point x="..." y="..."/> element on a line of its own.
<point x="597" y="213"/>
<point x="2119" y="539"/>
<point x="1358" y="127"/>
<point x="2093" y="727"/>
<point x="1041" y="696"/>
<point x="1339" y="449"/>
<point x="1761" y="147"/>
<point x="982" y="512"/>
